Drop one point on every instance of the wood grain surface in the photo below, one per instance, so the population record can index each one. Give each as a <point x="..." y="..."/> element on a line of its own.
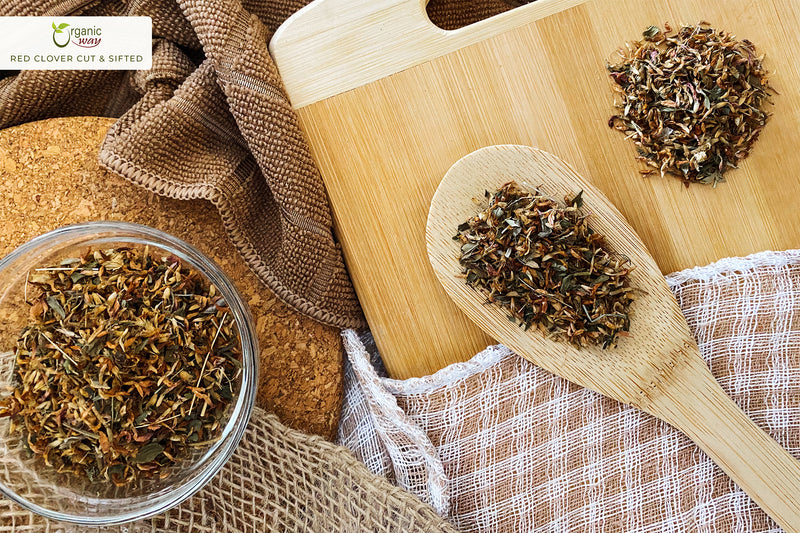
<point x="384" y="144"/>
<point x="658" y="330"/>
<point x="657" y="368"/>
<point x="49" y="178"/>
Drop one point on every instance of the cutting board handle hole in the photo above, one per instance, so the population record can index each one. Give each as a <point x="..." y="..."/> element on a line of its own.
<point x="455" y="14"/>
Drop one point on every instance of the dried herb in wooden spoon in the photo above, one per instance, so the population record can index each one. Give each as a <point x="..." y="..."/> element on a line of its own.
<point x="658" y="368"/>
<point x="544" y="264"/>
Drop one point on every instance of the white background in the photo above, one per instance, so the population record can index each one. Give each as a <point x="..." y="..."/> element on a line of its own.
<point x="26" y="43"/>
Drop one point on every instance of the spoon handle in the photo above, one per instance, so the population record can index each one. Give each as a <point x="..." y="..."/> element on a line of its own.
<point x="696" y="404"/>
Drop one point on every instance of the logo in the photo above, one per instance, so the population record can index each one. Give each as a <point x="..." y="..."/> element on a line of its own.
<point x="79" y="36"/>
<point x="60" y="29"/>
<point x="75" y="43"/>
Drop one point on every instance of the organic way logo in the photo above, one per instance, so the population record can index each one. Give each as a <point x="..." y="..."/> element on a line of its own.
<point x="83" y="37"/>
<point x="60" y="29"/>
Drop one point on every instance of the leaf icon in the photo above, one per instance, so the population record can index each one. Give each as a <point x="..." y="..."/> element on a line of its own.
<point x="57" y="29"/>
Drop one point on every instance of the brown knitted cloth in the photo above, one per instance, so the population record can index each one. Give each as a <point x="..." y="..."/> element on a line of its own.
<point x="211" y="120"/>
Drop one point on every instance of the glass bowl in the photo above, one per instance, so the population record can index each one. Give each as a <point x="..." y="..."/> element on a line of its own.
<point x="25" y="478"/>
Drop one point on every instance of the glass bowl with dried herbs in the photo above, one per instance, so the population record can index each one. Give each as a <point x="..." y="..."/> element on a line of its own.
<point x="128" y="371"/>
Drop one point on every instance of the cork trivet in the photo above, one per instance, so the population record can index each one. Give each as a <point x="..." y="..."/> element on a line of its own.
<point x="49" y="177"/>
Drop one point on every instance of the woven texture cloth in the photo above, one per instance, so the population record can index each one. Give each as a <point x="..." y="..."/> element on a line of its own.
<point x="211" y="120"/>
<point x="279" y="480"/>
<point x="499" y="445"/>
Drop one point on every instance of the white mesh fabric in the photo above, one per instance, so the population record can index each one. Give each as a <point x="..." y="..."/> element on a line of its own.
<point x="497" y="444"/>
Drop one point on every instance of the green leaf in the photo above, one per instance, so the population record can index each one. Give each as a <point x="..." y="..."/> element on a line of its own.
<point x="116" y="470"/>
<point x="62" y="25"/>
<point x="577" y="201"/>
<point x="148" y="452"/>
<point x="54" y="26"/>
<point x="468" y="247"/>
<point x="651" y="32"/>
<point x="55" y="305"/>
<point x="142" y="416"/>
<point x="601" y="279"/>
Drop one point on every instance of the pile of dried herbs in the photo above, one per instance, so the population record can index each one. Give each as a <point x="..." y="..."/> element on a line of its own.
<point x="692" y="101"/>
<point x="544" y="264"/>
<point x="127" y="363"/>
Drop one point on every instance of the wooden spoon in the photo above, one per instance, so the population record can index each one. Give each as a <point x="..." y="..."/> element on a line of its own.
<point x="658" y="368"/>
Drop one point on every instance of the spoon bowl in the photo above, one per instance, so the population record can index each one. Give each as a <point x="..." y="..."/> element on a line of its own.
<point x="657" y="367"/>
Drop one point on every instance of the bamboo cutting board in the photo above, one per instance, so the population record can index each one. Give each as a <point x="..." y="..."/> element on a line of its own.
<point x="389" y="102"/>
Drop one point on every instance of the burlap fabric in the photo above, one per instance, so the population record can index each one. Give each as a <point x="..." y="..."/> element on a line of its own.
<point x="211" y="120"/>
<point x="499" y="445"/>
<point x="279" y="480"/>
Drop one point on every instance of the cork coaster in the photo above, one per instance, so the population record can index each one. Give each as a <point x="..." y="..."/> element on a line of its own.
<point x="49" y="177"/>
